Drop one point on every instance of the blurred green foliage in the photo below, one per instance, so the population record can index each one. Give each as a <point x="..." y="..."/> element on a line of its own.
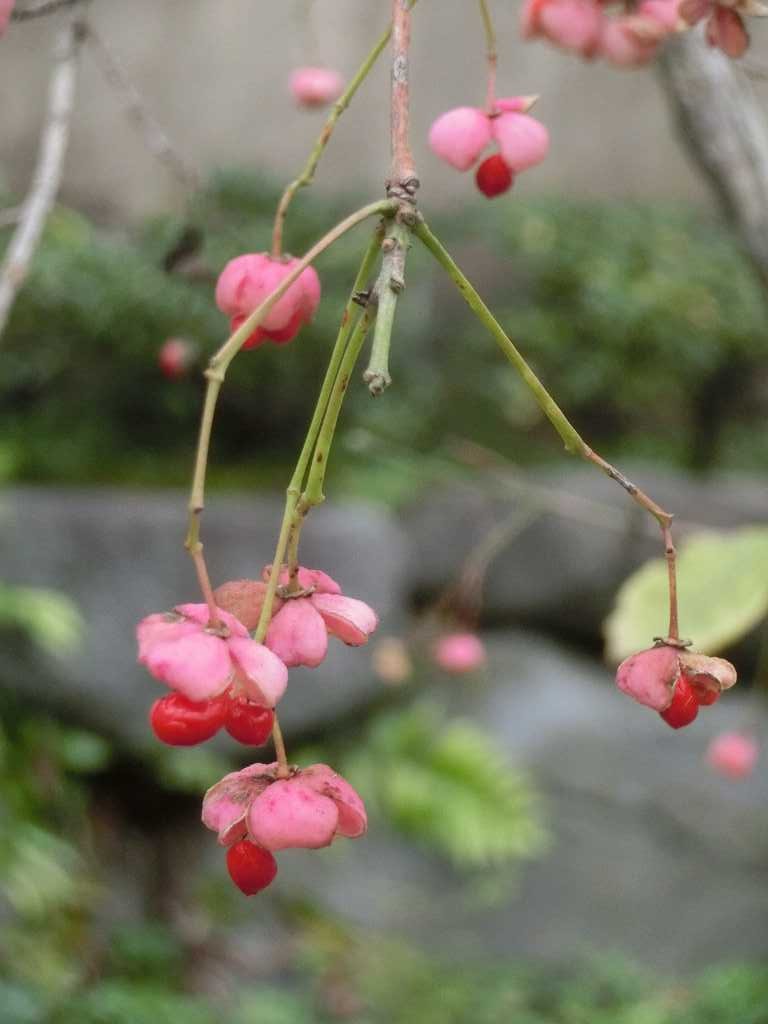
<point x="646" y="322"/>
<point x="722" y="582"/>
<point x="446" y="785"/>
<point x="48" y="618"/>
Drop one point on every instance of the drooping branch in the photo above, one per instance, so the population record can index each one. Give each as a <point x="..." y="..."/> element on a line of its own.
<point x="723" y="129"/>
<point x="38" y="9"/>
<point x="47" y="175"/>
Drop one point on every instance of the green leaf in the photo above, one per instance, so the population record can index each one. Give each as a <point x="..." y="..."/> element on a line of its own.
<point x="722" y="594"/>
<point x="51" y="619"/>
<point x="447" y="785"/>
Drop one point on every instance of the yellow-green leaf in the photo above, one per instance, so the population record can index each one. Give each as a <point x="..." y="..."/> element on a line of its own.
<point x="722" y="594"/>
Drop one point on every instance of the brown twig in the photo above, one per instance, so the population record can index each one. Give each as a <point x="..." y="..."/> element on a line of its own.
<point x="403" y="182"/>
<point x="47" y="175"/>
<point x="492" y="56"/>
<point x="155" y="136"/>
<point x="28" y="11"/>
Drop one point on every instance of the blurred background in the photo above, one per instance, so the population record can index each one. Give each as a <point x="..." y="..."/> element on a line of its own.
<point x="541" y="850"/>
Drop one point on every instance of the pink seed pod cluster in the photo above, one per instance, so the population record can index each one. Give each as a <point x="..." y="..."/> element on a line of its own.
<point x="675" y="682"/>
<point x="627" y="38"/>
<point x="458" y="653"/>
<point x="6" y="10"/>
<point x="313" y="87"/>
<point x="257" y="807"/>
<point x="221" y="678"/>
<point x="298" y="633"/>
<point x="246" y="281"/>
<point x="459" y="137"/>
<point x="733" y="754"/>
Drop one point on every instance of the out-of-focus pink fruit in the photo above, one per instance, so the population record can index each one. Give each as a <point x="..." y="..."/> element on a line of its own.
<point x="315" y="87"/>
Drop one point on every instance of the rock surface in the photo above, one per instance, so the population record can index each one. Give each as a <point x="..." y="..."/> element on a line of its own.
<point x="585" y="535"/>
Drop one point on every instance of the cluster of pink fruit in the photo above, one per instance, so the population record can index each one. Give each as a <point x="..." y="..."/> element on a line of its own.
<point x="222" y="678"/>
<point x="676" y="683"/>
<point x="632" y="38"/>
<point x="460" y="135"/>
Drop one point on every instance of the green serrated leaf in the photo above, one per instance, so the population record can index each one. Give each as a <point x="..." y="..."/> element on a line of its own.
<point x="722" y="594"/>
<point x="447" y="785"/>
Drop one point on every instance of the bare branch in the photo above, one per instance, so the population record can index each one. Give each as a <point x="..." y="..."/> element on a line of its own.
<point x="155" y="136"/>
<point x="40" y="8"/>
<point x="47" y="175"/>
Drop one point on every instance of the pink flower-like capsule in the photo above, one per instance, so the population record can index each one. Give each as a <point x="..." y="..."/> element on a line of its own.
<point x="733" y="754"/>
<point x="315" y="87"/>
<point x="573" y="25"/>
<point x="650" y="677"/>
<point x="298" y="633"/>
<point x="245" y="283"/>
<point x="460" y="135"/>
<point x="725" y="21"/>
<point x="623" y="45"/>
<point x="305" y="811"/>
<point x="181" y="650"/>
<point x="459" y="652"/>
<point x="6" y="10"/>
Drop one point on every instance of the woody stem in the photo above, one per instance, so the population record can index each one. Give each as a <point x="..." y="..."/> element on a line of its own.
<point x="492" y="56"/>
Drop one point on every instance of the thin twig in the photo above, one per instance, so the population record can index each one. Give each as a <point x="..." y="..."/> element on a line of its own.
<point x="491" y="54"/>
<point x="47" y="175"/>
<point x="403" y="181"/>
<point x="220" y="361"/>
<point x="574" y="443"/>
<point x="155" y="136"/>
<point x="38" y="10"/>
<point x="307" y="175"/>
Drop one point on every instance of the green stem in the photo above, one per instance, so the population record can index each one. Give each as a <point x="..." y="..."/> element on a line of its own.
<point x="571" y="439"/>
<point x="389" y="284"/>
<point x="307" y="175"/>
<point x="291" y="523"/>
<point x="219" y="363"/>
<point x="313" y="493"/>
<point x="574" y="443"/>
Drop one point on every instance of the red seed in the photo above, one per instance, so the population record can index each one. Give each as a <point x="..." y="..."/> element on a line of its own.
<point x="493" y="177"/>
<point x="703" y="694"/>
<point x="183" y="723"/>
<point x="248" y="722"/>
<point x="684" y="706"/>
<point x="250" y="867"/>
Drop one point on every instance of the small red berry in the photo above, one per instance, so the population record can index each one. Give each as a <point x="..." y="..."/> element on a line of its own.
<point x="705" y="696"/>
<point x="251" y="867"/>
<point x="684" y="706"/>
<point x="493" y="177"/>
<point x="248" y="722"/>
<point x="183" y="723"/>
